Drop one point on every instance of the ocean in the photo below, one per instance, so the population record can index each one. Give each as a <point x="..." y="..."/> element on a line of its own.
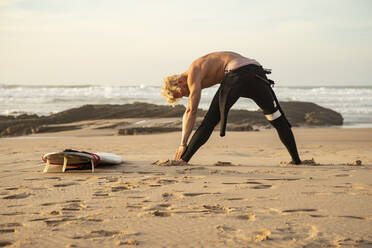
<point x="353" y="102"/>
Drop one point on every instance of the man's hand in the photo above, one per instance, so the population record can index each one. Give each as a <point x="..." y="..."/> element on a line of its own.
<point x="180" y="151"/>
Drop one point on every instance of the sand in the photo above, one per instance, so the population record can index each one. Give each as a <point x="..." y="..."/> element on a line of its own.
<point x="235" y="193"/>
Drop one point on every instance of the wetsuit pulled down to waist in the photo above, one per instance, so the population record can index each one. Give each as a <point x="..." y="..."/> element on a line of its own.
<point x="244" y="78"/>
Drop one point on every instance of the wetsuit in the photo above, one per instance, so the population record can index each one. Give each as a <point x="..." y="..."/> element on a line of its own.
<point x="248" y="81"/>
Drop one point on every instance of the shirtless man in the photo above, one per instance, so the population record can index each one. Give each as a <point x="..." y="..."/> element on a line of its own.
<point x="238" y="76"/>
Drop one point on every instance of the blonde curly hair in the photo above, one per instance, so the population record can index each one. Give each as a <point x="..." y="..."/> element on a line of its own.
<point x="170" y="87"/>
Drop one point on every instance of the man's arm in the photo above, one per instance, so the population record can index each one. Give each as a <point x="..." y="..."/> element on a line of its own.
<point x="189" y="117"/>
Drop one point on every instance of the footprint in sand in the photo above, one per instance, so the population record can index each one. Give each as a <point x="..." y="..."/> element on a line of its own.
<point x="155" y="185"/>
<point x="156" y="173"/>
<point x="87" y="219"/>
<point x="64" y="185"/>
<point x="160" y="207"/>
<point x="283" y="179"/>
<point x="49" y="204"/>
<point x="39" y="219"/>
<point x="128" y="242"/>
<point x="121" y="188"/>
<point x="262" y="186"/>
<point x="55" y="212"/>
<point x="12" y="188"/>
<point x="222" y="163"/>
<point x="13" y="213"/>
<point x="110" y="179"/>
<point x="167" y="196"/>
<point x="9" y="230"/>
<point x="216" y="208"/>
<point x="225" y="228"/>
<point x="195" y="194"/>
<point x="5" y="243"/>
<point x="302" y="234"/>
<point x="34" y="179"/>
<point x="318" y="216"/>
<point x="81" y="180"/>
<point x="300" y="210"/>
<point x="12" y="224"/>
<point x="249" y="216"/>
<point x="75" y="200"/>
<point x="58" y="221"/>
<point x="356" y="217"/>
<point x="342" y="175"/>
<point x="251" y="182"/>
<point x="17" y="196"/>
<point x="164" y="205"/>
<point x="98" y="234"/>
<point x="134" y="206"/>
<point x="160" y="210"/>
<point x="235" y="199"/>
<point x="75" y="206"/>
<point x="16" y="205"/>
<point x="54" y="178"/>
<point x="100" y="194"/>
<point x="167" y="181"/>
<point x="238" y="236"/>
<point x="261" y="235"/>
<point x="160" y="213"/>
<point x="340" y="186"/>
<point x="350" y="242"/>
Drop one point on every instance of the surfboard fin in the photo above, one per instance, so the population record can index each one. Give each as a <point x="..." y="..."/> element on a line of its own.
<point x="46" y="166"/>
<point x="64" y="164"/>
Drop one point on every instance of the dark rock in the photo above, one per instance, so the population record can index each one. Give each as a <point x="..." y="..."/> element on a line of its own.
<point x="18" y="130"/>
<point x="240" y="127"/>
<point x="298" y="114"/>
<point x="27" y="117"/>
<point x="311" y="114"/>
<point x="6" y="118"/>
<point x="146" y="130"/>
<point x="53" y="129"/>
<point x="107" y="111"/>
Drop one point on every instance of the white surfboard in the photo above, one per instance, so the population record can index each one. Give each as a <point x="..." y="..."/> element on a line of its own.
<point x="79" y="159"/>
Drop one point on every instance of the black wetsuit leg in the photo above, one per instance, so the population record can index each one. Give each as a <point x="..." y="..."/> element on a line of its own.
<point x="211" y="119"/>
<point x="286" y="136"/>
<point x="265" y="98"/>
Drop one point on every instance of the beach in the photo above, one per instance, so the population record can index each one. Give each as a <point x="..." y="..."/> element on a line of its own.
<point x="97" y="99"/>
<point x="238" y="191"/>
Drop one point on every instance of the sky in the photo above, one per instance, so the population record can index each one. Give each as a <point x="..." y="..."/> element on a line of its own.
<point x="120" y="42"/>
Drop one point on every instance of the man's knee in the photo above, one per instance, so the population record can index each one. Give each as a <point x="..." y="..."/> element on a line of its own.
<point x="273" y="116"/>
<point x="209" y="123"/>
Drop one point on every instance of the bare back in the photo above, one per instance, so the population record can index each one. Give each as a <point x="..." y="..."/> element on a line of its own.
<point x="211" y="67"/>
<point x="202" y="73"/>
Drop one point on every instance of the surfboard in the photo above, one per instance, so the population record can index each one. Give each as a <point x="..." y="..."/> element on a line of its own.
<point x="79" y="159"/>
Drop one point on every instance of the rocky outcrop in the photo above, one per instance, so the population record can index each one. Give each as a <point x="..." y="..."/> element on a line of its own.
<point x="298" y="114"/>
<point x="310" y="114"/>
